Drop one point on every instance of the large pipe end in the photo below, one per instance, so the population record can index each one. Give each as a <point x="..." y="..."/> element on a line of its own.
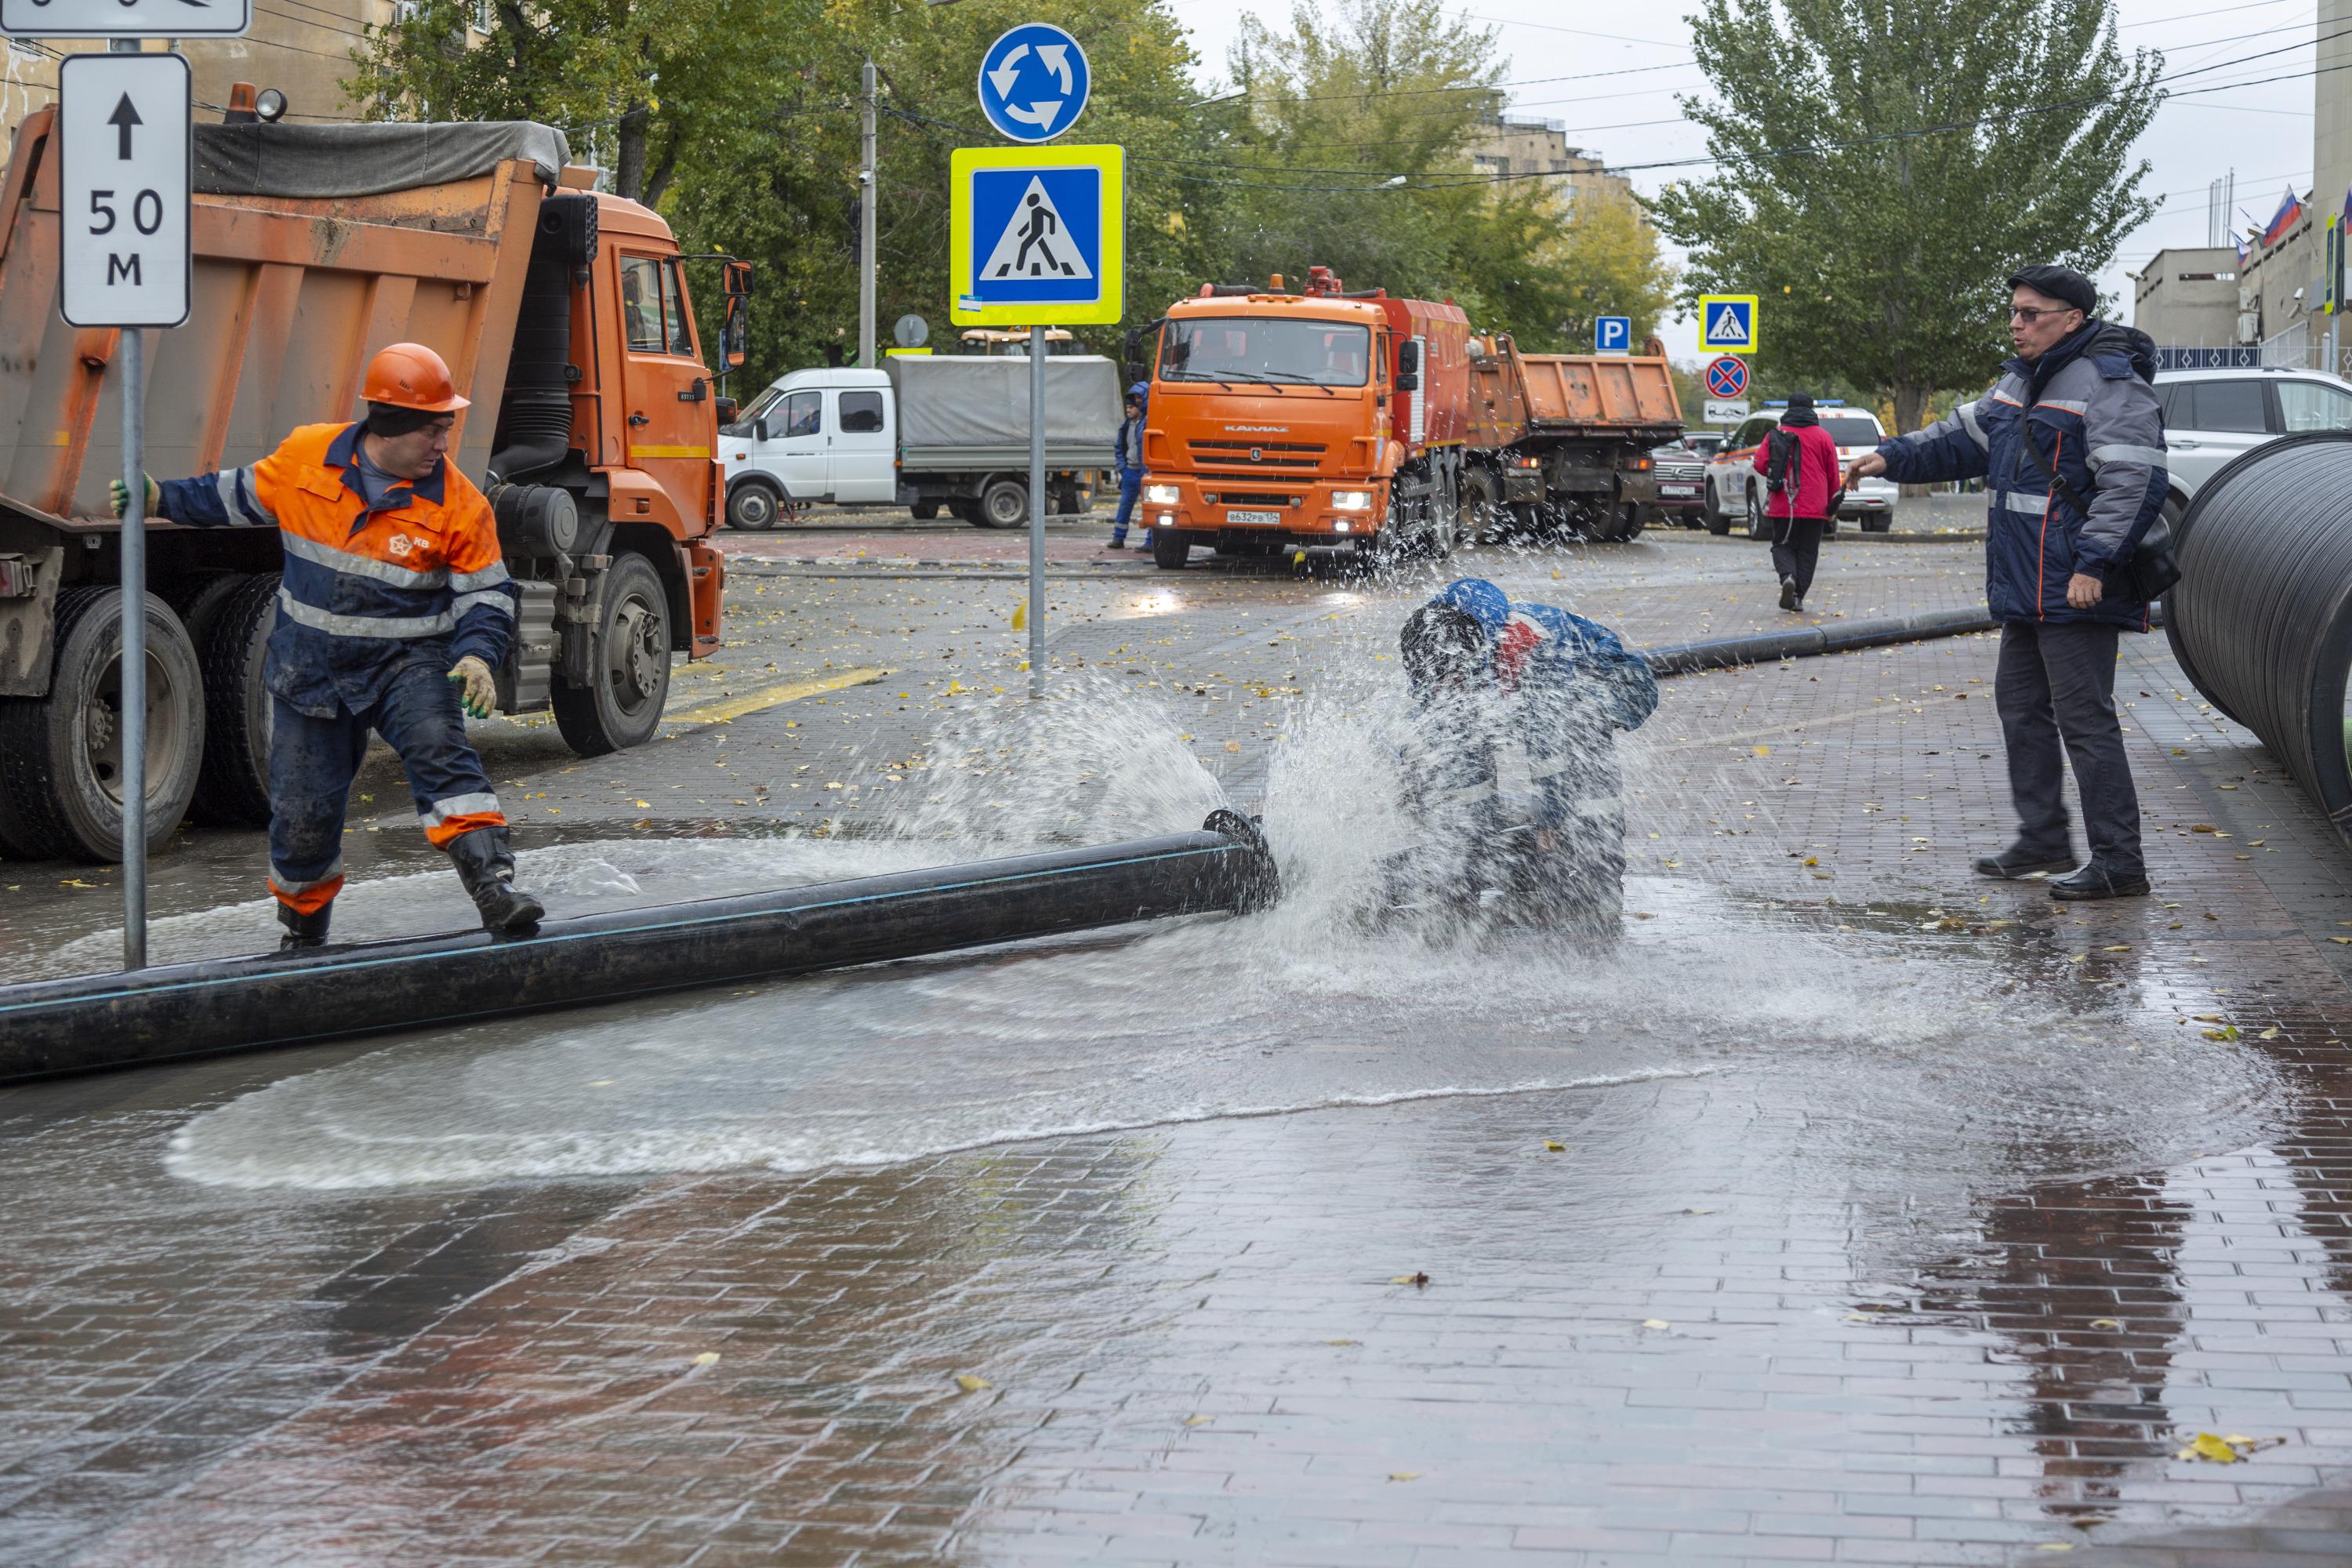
<point x="1262" y="883"/>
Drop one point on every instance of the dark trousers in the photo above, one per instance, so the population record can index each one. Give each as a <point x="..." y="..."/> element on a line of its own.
<point x="2056" y="685"/>
<point x="1797" y="550"/>
<point x="312" y="761"/>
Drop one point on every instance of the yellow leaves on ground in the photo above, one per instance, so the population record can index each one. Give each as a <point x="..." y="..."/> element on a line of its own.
<point x="2226" y="1450"/>
<point x="1233" y="745"/>
<point x="1405" y="1475"/>
<point x="969" y="1383"/>
<point x="2106" y="1323"/>
<point x="643" y="804"/>
<point x="1655" y="1323"/>
<point x="1198" y="1420"/>
<point x="1339" y="1341"/>
<point x="1552" y="1148"/>
<point x="2226" y="1032"/>
<point x="707" y="1358"/>
<point x="1416" y="1278"/>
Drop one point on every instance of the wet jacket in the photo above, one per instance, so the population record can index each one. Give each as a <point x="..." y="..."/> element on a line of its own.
<point x="2095" y="415"/>
<point x="1813" y="472"/>
<point x="419" y="580"/>
<point x="1577" y="684"/>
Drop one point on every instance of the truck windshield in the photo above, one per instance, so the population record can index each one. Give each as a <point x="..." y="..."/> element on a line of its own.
<point x="1256" y="348"/>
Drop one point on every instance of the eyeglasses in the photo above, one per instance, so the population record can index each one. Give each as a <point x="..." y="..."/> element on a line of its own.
<point x="2029" y="314"/>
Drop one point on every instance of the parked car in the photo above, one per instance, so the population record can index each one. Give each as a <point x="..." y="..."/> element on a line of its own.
<point x="2211" y="415"/>
<point x="1734" y="490"/>
<point x="1681" y="473"/>
<point x="1705" y="443"/>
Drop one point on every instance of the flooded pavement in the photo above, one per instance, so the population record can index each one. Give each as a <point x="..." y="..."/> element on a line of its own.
<point x="1848" y="1208"/>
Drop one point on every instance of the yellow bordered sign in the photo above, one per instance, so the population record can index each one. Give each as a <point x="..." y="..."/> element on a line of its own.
<point x="1726" y="323"/>
<point x="1036" y="236"/>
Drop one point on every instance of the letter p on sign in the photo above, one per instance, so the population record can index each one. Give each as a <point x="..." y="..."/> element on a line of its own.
<point x="123" y="186"/>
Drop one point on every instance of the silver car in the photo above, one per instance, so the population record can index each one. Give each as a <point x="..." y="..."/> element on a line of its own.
<point x="2211" y="415"/>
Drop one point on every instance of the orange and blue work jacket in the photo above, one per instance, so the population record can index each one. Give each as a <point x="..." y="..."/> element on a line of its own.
<point x="366" y="592"/>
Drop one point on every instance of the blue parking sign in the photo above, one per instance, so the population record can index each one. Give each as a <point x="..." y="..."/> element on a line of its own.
<point x="1613" y="335"/>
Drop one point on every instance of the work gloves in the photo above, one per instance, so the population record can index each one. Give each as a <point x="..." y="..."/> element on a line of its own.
<point x="120" y="494"/>
<point x="478" y="689"/>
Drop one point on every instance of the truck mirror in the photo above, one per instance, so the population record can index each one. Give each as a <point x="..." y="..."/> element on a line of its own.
<point x="760" y="428"/>
<point x="735" y="279"/>
<point x="1134" y="345"/>
<point x="735" y="331"/>
<point x="1408" y="361"/>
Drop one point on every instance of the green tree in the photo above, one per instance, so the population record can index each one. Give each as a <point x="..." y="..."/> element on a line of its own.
<point x="1886" y="163"/>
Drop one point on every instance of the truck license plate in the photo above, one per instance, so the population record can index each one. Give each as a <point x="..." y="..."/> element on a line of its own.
<point x="1254" y="519"/>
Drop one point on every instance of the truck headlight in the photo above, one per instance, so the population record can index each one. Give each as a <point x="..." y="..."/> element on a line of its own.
<point x="1351" y="501"/>
<point x="1159" y="495"/>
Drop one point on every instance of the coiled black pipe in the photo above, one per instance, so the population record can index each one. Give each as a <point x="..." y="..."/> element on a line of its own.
<point x="2262" y="618"/>
<point x="92" y="1021"/>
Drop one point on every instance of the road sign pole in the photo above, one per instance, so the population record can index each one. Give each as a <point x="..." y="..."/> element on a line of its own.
<point x="1036" y="511"/>
<point x="870" y="188"/>
<point x="134" y="635"/>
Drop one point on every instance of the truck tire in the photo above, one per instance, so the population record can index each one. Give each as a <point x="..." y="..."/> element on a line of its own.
<point x="1170" y="547"/>
<point x="61" y="755"/>
<point x="1004" y="504"/>
<point x="1718" y="520"/>
<point x="966" y="508"/>
<point x="229" y="625"/>
<point x="1631" y="518"/>
<point x="1482" y="505"/>
<point x="622" y="704"/>
<point x="923" y="511"/>
<point x="755" y="506"/>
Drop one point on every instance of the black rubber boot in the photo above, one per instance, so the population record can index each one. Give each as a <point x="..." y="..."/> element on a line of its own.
<point x="2096" y="881"/>
<point x="2021" y="860"/>
<point x="303" y="932"/>
<point x="485" y="865"/>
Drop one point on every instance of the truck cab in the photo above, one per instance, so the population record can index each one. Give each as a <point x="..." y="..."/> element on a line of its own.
<point x="813" y="436"/>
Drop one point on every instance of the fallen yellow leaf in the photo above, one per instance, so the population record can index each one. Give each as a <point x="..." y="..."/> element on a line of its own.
<point x="643" y="804"/>
<point x="2210" y="1448"/>
<point x="2104" y="1324"/>
<point x="707" y="1358"/>
<point x="969" y="1383"/>
<point x="1655" y="1323"/>
<point x="1198" y="1420"/>
<point x="1554" y="1148"/>
<point x="1405" y="1475"/>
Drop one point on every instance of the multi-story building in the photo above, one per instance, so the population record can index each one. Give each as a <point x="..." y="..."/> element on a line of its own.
<point x="1512" y="145"/>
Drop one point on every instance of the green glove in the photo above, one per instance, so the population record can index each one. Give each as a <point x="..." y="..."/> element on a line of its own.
<point x="478" y="689"/>
<point x="120" y="494"/>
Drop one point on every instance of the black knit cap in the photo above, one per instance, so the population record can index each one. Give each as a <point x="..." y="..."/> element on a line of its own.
<point x="2060" y="283"/>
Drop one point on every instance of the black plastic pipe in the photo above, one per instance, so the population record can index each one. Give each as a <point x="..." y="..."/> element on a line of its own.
<point x="1808" y="642"/>
<point x="2262" y="618"/>
<point x="91" y="1022"/>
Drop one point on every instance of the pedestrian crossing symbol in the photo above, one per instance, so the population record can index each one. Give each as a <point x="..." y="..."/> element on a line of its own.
<point x="1726" y="323"/>
<point x="1035" y="242"/>
<point x="1034" y="236"/>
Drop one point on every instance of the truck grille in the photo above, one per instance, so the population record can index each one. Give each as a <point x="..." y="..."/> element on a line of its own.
<point x="1259" y="456"/>
<point x="1252" y="498"/>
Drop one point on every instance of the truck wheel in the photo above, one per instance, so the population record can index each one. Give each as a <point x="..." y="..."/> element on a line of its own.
<point x="1482" y="505"/>
<point x="61" y="755"/>
<point x="923" y="511"/>
<point x="621" y="705"/>
<point x="754" y="506"/>
<point x="229" y="625"/>
<point x="1170" y="547"/>
<point x="1759" y="525"/>
<point x="1004" y="504"/>
<point x="1631" y="518"/>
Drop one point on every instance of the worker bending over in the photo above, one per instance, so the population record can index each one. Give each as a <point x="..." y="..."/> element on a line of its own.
<point x="394" y="608"/>
<point x="1485" y="671"/>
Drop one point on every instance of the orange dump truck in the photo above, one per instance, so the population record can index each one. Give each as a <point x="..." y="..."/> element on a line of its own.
<point x="564" y="315"/>
<point x="1562" y="442"/>
<point x="1282" y="419"/>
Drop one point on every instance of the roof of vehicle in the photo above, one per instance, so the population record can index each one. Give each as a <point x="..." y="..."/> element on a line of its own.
<point x="2167" y="377"/>
<point x="826" y="375"/>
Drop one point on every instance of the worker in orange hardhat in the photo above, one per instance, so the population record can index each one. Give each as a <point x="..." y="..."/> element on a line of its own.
<point x="394" y="608"/>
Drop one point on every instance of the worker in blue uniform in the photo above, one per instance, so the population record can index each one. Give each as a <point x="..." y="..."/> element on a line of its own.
<point x="1485" y="672"/>
<point x="1130" y="451"/>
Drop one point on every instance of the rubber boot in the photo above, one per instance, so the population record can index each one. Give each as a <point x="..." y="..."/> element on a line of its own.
<point x="485" y="865"/>
<point x="303" y="932"/>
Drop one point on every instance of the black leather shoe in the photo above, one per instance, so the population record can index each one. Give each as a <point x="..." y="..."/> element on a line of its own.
<point x="2018" y="862"/>
<point x="304" y="931"/>
<point x="485" y="865"/>
<point x="1787" y="593"/>
<point x="2096" y="881"/>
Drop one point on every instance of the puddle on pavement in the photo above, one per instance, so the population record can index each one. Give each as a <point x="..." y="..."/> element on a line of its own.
<point x="1902" y="1048"/>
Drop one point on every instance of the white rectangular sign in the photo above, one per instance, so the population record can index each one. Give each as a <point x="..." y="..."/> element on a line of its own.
<point x="123" y="182"/>
<point x="1730" y="413"/>
<point x="126" y="18"/>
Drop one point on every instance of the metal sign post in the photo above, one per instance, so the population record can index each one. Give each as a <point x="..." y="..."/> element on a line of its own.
<point x="1034" y="236"/>
<point x="124" y="179"/>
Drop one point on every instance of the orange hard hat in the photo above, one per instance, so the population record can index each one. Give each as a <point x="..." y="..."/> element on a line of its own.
<point x="410" y="375"/>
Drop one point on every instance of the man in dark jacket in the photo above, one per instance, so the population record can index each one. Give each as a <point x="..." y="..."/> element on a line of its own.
<point x="1800" y="459"/>
<point x="2069" y="442"/>
<point x="1129" y="450"/>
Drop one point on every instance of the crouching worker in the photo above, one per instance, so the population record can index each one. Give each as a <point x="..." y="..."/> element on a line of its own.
<point x="1485" y="671"/>
<point x="395" y="609"/>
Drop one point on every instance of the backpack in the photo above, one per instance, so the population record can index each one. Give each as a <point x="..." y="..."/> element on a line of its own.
<point x="1782" y="462"/>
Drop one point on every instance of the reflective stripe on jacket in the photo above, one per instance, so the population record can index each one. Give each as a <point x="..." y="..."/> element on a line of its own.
<point x="2096" y="417"/>
<point x="366" y="593"/>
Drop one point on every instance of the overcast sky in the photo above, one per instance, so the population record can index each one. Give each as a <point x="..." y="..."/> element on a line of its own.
<point x="2263" y="133"/>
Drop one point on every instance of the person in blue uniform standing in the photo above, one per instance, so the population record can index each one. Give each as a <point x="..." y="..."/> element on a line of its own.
<point x="1130" y="465"/>
<point x="1485" y="672"/>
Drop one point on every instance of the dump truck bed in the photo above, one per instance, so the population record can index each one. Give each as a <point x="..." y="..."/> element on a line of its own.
<point x="1515" y="396"/>
<point x="290" y="293"/>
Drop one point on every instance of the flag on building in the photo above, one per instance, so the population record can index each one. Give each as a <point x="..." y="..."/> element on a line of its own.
<point x="2290" y="209"/>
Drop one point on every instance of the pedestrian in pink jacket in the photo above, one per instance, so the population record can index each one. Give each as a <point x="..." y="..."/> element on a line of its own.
<point x="1800" y="465"/>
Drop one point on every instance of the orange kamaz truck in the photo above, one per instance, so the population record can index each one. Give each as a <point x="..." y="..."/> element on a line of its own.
<point x="1282" y="419"/>
<point x="566" y="315"/>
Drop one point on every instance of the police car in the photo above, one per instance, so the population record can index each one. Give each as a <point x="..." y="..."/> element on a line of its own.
<point x="1734" y="490"/>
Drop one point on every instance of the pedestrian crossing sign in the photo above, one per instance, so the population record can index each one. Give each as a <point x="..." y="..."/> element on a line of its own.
<point x="1035" y="236"/>
<point x="1726" y="323"/>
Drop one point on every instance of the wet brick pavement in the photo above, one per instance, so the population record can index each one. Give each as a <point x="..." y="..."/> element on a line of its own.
<point x="1727" y="1320"/>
